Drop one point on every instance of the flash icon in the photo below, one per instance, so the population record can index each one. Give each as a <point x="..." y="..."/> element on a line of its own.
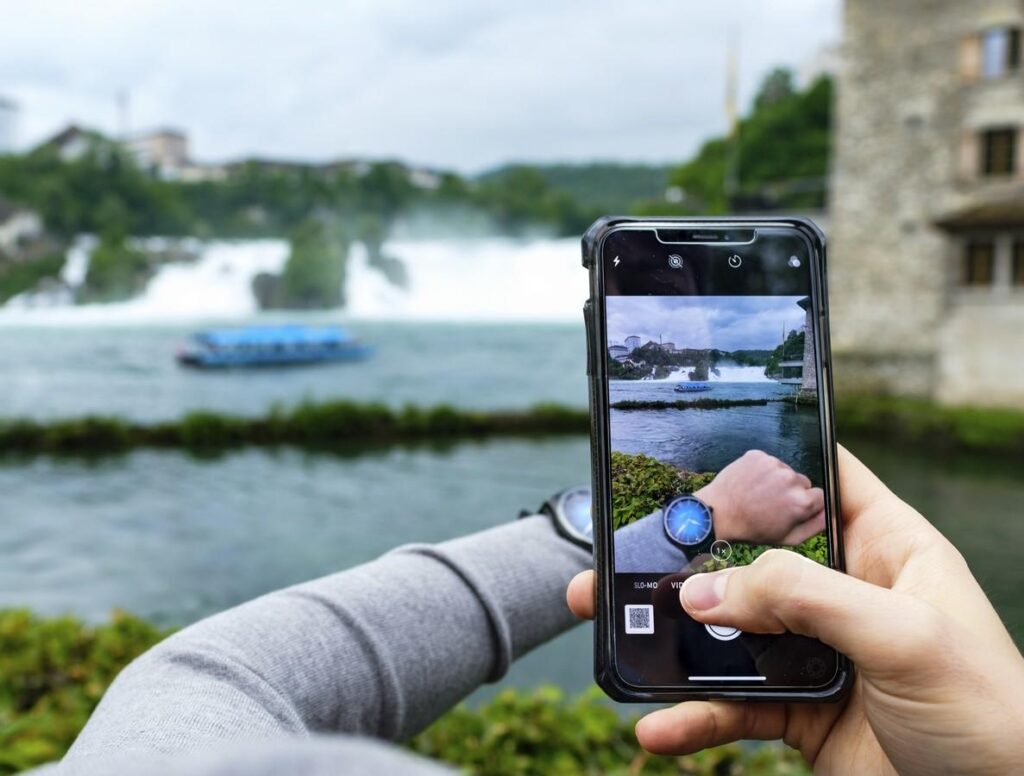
<point x="615" y="261"/>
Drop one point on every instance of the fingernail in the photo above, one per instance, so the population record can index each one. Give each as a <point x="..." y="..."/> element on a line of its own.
<point x="704" y="591"/>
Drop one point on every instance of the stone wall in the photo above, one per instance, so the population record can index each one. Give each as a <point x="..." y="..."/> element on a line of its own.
<point x="902" y="113"/>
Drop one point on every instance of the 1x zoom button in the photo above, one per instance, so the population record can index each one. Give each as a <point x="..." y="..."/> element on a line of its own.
<point x="722" y="632"/>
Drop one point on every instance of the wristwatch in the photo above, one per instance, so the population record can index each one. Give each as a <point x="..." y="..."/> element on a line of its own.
<point x="569" y="510"/>
<point x="689" y="524"/>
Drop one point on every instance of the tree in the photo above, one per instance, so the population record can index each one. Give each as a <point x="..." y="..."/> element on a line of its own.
<point x="116" y="270"/>
<point x="314" y="276"/>
<point x="776" y="87"/>
<point x="783" y="153"/>
<point x="791" y="349"/>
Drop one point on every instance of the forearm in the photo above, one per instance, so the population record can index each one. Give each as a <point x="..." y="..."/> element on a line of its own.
<point x="382" y="649"/>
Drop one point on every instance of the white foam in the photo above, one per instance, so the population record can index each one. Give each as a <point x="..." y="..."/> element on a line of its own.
<point x="726" y="374"/>
<point x="479" y="279"/>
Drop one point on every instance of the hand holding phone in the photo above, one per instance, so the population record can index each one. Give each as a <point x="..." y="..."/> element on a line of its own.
<point x="941" y="683"/>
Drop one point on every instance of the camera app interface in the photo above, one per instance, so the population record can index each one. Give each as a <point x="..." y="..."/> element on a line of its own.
<point x="716" y="447"/>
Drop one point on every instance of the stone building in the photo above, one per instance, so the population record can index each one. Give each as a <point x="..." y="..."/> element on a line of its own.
<point x="164" y="151"/>
<point x="808" y="374"/>
<point x="927" y="201"/>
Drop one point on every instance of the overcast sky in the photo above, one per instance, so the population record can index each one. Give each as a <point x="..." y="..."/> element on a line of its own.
<point x="722" y="322"/>
<point x="452" y="83"/>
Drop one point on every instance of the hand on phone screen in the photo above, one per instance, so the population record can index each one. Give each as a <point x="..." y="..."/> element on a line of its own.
<point x="759" y="498"/>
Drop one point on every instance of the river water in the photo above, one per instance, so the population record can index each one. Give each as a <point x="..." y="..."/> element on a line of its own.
<point x="174" y="538"/>
<point x="708" y="441"/>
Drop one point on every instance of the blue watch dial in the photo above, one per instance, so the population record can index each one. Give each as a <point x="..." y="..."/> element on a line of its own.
<point x="687" y="520"/>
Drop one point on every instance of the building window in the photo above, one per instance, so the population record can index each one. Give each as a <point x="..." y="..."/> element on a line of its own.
<point x="1000" y="51"/>
<point x="999" y="151"/>
<point x="1017" y="269"/>
<point x="979" y="263"/>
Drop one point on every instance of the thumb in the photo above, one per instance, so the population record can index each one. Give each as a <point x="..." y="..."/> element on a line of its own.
<point x="877" y="628"/>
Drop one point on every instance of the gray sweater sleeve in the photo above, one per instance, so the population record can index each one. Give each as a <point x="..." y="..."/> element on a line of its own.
<point x="379" y="650"/>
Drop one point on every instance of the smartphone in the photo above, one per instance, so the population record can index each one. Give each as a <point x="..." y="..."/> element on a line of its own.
<point x="711" y="440"/>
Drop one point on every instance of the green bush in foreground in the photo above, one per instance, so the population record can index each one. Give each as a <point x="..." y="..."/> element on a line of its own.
<point x="544" y="733"/>
<point x="53" y="672"/>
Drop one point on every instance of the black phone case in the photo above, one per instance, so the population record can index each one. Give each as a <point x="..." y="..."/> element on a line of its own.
<point x="605" y="673"/>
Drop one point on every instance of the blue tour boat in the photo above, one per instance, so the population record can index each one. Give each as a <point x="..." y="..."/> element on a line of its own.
<point x="285" y="345"/>
<point x="693" y="386"/>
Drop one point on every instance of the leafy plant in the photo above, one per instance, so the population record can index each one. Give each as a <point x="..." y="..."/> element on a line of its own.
<point x="52" y="674"/>
<point x="792" y="348"/>
<point x="643" y="484"/>
<point x="544" y="733"/>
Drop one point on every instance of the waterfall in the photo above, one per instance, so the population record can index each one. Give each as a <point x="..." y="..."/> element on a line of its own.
<point x="479" y="279"/>
<point x="727" y="373"/>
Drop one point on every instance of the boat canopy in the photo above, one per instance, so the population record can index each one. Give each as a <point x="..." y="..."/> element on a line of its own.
<point x="256" y="336"/>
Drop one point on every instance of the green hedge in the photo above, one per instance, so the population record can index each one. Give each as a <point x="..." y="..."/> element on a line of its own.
<point x="347" y="426"/>
<point x="333" y="425"/>
<point x="54" y="671"/>
<point x="924" y="424"/>
<point x="693" y="404"/>
<point x="643" y="485"/>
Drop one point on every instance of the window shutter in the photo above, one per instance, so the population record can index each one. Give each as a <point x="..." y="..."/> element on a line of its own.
<point x="970" y="58"/>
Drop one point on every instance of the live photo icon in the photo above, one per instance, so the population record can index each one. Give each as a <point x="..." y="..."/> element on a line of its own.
<point x="639" y="618"/>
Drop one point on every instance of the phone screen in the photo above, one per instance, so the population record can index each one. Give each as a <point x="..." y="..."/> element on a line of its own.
<point x="715" y="420"/>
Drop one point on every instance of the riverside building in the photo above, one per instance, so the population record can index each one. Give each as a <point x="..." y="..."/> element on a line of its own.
<point x="927" y="200"/>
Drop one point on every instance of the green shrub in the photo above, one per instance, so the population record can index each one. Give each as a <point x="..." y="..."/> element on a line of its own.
<point x="544" y="733"/>
<point x="643" y="484"/>
<point x="52" y="674"/>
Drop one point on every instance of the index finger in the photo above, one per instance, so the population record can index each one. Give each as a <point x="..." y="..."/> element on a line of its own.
<point x="581" y="593"/>
<point x="859" y="487"/>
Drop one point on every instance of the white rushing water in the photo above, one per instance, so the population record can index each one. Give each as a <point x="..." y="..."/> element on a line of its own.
<point x="726" y="374"/>
<point x="481" y="279"/>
